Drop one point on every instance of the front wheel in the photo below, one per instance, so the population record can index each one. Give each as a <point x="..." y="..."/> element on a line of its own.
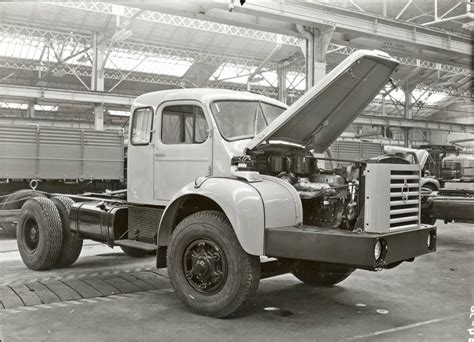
<point x="208" y="268"/>
<point x="320" y="273"/>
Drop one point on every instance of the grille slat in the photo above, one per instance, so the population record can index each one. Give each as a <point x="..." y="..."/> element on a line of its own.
<point x="404" y="211"/>
<point x="404" y="199"/>
<point x="404" y="219"/>
<point x="395" y="203"/>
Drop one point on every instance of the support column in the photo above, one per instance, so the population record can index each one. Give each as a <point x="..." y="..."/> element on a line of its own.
<point x="98" y="63"/>
<point x="31" y="109"/>
<point x="98" y="117"/>
<point x="408" y="113"/>
<point x="97" y="78"/>
<point x="322" y="38"/>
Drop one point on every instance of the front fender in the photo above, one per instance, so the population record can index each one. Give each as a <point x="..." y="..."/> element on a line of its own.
<point x="239" y="201"/>
<point x="429" y="180"/>
<point x="249" y="207"/>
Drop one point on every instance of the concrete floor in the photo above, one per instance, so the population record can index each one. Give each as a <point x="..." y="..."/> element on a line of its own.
<point x="428" y="300"/>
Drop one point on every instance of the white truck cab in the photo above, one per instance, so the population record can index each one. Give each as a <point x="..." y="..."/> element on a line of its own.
<point x="219" y="178"/>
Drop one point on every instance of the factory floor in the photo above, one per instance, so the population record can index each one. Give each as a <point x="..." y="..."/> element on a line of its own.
<point x="107" y="296"/>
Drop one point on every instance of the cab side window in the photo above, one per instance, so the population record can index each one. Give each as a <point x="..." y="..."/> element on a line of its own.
<point x="183" y="124"/>
<point x="141" y="130"/>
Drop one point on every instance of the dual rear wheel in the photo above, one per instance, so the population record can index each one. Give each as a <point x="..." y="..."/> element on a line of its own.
<point x="44" y="237"/>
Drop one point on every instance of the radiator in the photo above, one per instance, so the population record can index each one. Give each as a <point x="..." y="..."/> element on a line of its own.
<point x="392" y="197"/>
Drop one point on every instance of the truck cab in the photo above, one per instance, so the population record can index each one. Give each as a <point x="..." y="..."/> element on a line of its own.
<point x="219" y="179"/>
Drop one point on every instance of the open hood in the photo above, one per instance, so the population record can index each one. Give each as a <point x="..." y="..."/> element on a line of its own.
<point x="317" y="118"/>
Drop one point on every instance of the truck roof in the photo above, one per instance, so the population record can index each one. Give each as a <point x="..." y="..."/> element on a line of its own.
<point x="203" y="95"/>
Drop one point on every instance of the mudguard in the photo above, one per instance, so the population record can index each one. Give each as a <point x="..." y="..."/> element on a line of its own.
<point x="249" y="207"/>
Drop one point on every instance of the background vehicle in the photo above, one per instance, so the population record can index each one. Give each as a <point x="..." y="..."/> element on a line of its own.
<point x="216" y="179"/>
<point x="56" y="159"/>
<point x="421" y="157"/>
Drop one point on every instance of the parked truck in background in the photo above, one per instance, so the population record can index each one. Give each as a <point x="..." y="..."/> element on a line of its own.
<point x="455" y="200"/>
<point x="35" y="159"/>
<point x="450" y="198"/>
<point x="217" y="179"/>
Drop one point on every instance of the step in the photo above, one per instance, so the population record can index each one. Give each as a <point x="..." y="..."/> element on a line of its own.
<point x="149" y="247"/>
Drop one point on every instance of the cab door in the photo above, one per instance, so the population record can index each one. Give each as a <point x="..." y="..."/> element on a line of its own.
<point x="140" y="156"/>
<point x="183" y="148"/>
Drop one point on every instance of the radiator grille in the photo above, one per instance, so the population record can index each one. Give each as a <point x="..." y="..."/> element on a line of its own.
<point x="392" y="197"/>
<point x="404" y="199"/>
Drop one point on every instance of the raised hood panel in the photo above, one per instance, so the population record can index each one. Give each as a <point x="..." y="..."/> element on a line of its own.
<point x="329" y="107"/>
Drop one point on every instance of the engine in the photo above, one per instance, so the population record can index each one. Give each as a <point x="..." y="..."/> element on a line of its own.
<point x="329" y="197"/>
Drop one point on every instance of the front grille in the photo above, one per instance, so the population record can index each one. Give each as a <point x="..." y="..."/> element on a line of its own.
<point x="392" y="197"/>
<point x="404" y="199"/>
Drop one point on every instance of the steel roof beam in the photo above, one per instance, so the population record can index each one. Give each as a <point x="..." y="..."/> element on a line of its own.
<point x="317" y="14"/>
<point x="9" y="91"/>
<point x="372" y="120"/>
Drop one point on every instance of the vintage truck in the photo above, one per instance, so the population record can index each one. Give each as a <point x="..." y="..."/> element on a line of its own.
<point x="225" y="188"/>
<point x="421" y="157"/>
<point x="455" y="200"/>
<point x="56" y="159"/>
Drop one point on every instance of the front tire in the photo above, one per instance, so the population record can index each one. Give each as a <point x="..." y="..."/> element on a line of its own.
<point x="320" y="273"/>
<point x="39" y="233"/>
<point x="208" y="268"/>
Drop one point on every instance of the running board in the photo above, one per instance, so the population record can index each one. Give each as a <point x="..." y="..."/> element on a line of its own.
<point x="149" y="247"/>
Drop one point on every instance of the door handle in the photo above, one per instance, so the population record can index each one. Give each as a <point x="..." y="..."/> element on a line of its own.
<point x="159" y="154"/>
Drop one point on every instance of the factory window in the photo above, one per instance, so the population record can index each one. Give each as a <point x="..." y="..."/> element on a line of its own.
<point x="183" y="124"/>
<point x="142" y="122"/>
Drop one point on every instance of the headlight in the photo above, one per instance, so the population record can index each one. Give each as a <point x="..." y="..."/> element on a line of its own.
<point x="377" y="250"/>
<point x="428" y="240"/>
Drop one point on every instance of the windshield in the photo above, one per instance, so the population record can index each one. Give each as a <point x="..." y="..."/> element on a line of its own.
<point x="243" y="119"/>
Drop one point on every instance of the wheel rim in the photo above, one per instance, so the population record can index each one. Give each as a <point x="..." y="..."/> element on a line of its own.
<point x="205" y="266"/>
<point x="31" y="235"/>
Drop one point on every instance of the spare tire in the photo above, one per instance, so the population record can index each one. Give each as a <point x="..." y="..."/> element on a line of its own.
<point x="72" y="244"/>
<point x="39" y="233"/>
<point x="15" y="201"/>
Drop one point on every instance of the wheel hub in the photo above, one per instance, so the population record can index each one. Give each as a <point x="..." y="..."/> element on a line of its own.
<point x="31" y="235"/>
<point x="34" y="234"/>
<point x="205" y="266"/>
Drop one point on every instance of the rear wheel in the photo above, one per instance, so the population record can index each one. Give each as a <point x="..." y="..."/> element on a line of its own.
<point x="320" y="273"/>
<point x="208" y="268"/>
<point x="72" y="244"/>
<point x="15" y="201"/>
<point x="39" y="233"/>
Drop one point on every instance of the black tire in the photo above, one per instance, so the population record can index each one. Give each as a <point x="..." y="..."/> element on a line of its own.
<point x="39" y="233"/>
<point x="15" y="201"/>
<point x="237" y="275"/>
<point x="427" y="213"/>
<point x="134" y="252"/>
<point x="320" y="274"/>
<point x="72" y="244"/>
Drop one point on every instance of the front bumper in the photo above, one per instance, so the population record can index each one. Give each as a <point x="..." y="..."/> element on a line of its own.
<point x="346" y="247"/>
